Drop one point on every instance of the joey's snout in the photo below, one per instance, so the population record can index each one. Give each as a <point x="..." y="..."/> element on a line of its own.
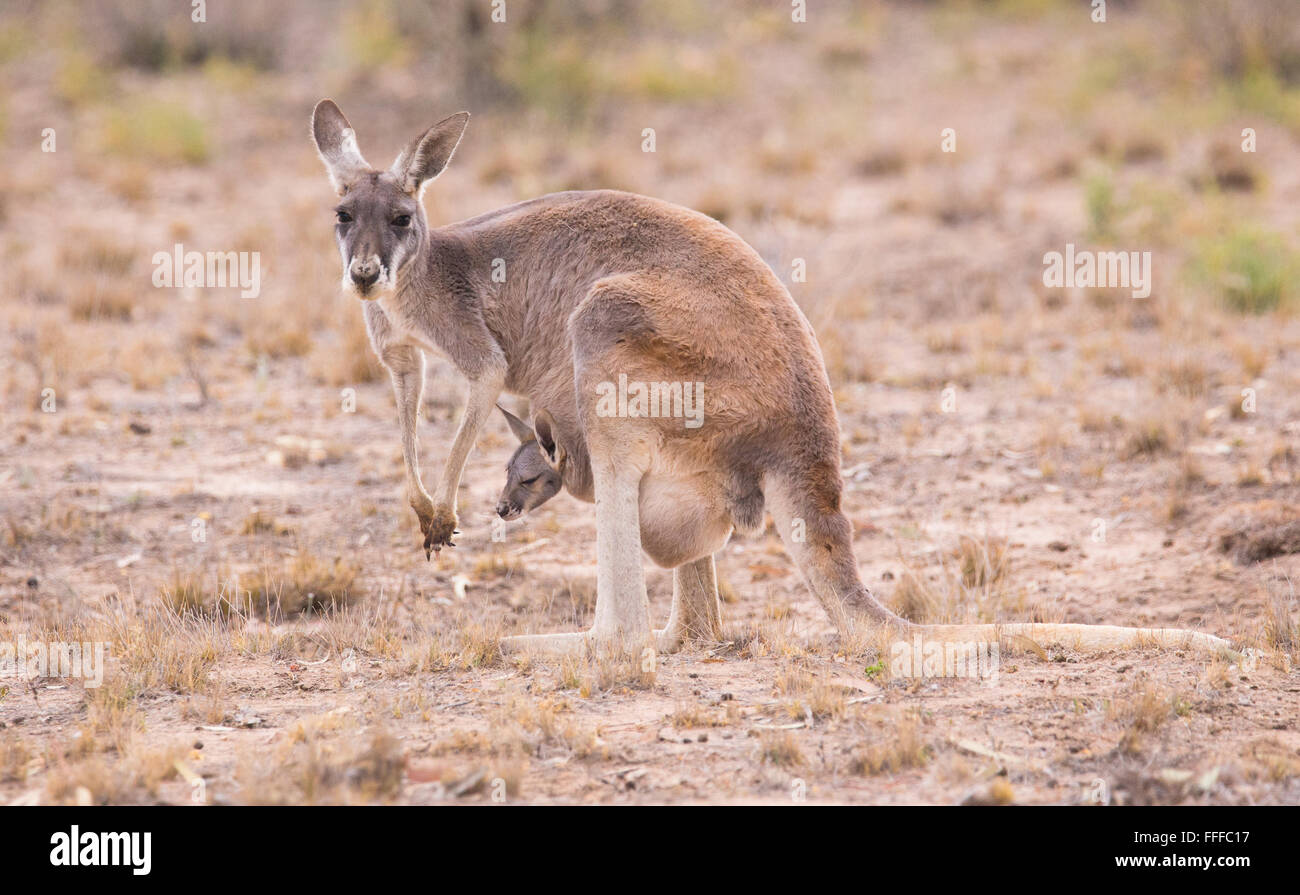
<point x="508" y="511"/>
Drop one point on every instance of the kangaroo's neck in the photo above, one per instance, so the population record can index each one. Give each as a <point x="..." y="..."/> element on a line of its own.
<point x="496" y="275"/>
<point x="441" y="304"/>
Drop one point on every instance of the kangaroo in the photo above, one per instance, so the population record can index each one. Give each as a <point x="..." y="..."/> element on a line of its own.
<point x="530" y="479"/>
<point x="602" y="287"/>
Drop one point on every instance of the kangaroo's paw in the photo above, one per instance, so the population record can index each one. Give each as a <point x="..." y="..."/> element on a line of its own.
<point x="438" y="523"/>
<point x="575" y="644"/>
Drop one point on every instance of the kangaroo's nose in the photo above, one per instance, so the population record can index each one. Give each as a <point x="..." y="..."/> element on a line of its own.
<point x="364" y="273"/>
<point x="503" y="509"/>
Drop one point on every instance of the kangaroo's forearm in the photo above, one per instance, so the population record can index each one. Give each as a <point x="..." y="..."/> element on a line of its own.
<point x="406" y="366"/>
<point x="482" y="395"/>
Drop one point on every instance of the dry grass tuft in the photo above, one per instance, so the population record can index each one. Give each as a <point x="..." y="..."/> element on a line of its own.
<point x="306" y="583"/>
<point x="259" y="523"/>
<point x="1144" y="710"/>
<point x="970" y="584"/>
<point x="93" y="300"/>
<point x="1281" y="628"/>
<point x="807" y="694"/>
<point x="903" y="749"/>
<point x="322" y="761"/>
<point x="780" y="748"/>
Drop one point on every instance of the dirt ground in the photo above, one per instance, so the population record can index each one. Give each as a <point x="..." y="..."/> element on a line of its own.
<point x="216" y="490"/>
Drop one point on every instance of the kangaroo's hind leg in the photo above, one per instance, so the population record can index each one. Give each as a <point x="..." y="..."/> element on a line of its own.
<point x="622" y="622"/>
<point x="696" y="612"/>
<point x="621" y="450"/>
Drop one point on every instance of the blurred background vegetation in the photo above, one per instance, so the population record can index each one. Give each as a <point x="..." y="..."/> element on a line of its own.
<point x="818" y="140"/>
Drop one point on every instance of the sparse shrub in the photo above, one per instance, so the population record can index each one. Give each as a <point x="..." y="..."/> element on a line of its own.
<point x="1249" y="270"/>
<point x="1238" y="39"/>
<point x="150" y="129"/>
<point x="374" y="35"/>
<point x="79" y="81"/>
<point x="1099" y="198"/>
<point x="151" y="35"/>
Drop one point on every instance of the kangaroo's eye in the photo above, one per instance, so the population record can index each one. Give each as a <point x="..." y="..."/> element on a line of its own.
<point x="531" y="481"/>
<point x="344" y="217"/>
<point x="402" y="220"/>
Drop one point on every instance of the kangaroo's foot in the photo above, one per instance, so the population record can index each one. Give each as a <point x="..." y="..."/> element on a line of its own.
<point x="677" y="633"/>
<point x="696" y="613"/>
<point x="669" y="640"/>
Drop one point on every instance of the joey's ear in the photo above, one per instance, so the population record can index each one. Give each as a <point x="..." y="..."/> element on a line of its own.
<point x="517" y="426"/>
<point x="337" y="144"/>
<point x="544" y="427"/>
<point x="429" y="153"/>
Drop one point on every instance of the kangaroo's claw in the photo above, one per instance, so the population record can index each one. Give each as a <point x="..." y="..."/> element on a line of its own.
<point x="439" y="527"/>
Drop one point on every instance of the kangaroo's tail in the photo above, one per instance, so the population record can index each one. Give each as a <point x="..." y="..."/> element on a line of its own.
<point x="806" y="507"/>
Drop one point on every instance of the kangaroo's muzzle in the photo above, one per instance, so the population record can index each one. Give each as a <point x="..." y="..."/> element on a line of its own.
<point x="364" y="273"/>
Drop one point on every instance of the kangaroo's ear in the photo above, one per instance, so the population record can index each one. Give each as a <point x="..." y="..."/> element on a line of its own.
<point x="544" y="427"/>
<point x="429" y="153"/>
<point x="337" y="144"/>
<point x="517" y="426"/>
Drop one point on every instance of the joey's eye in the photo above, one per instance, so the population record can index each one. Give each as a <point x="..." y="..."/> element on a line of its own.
<point x="344" y="217"/>
<point x="531" y="481"/>
<point x="402" y="220"/>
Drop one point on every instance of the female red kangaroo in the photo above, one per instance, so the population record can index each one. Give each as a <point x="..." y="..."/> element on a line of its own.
<point x="563" y="298"/>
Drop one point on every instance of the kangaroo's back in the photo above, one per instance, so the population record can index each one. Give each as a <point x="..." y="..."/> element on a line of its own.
<point x="705" y="301"/>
